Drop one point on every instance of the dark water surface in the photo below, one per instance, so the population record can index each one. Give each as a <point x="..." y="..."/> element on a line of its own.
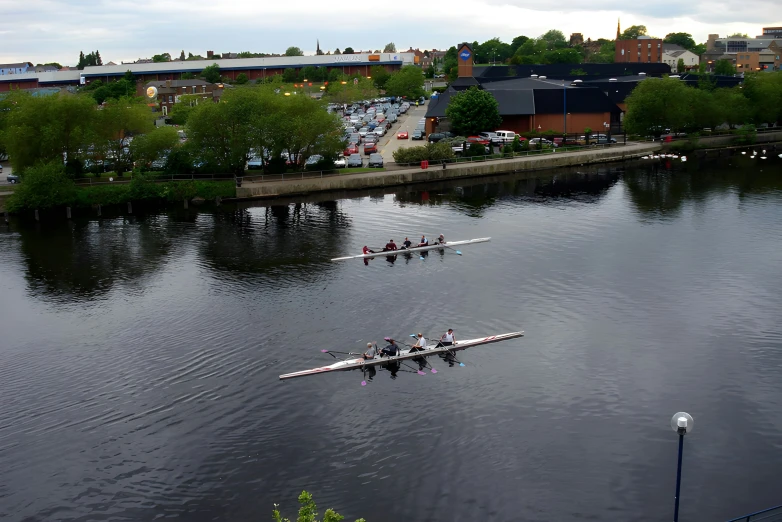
<point x="140" y="354"/>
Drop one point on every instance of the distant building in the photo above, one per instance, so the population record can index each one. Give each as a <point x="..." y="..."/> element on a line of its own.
<point x="644" y="49"/>
<point x="576" y="39"/>
<point x="16" y="68"/>
<point x="773" y="32"/>
<point x="673" y="53"/>
<point x="765" y="60"/>
<point x="170" y="91"/>
<point x="740" y="44"/>
<point x="45" y="68"/>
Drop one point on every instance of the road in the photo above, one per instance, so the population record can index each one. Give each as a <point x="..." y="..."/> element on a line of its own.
<point x="6" y="172"/>
<point x="407" y="122"/>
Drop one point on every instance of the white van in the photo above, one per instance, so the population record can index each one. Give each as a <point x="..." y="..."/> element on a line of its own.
<point x="506" y="136"/>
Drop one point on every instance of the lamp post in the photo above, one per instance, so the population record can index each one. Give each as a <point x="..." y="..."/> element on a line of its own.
<point x="681" y="423"/>
<point x="564" y="109"/>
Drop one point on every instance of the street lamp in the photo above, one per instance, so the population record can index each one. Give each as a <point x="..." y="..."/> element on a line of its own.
<point x="681" y="423"/>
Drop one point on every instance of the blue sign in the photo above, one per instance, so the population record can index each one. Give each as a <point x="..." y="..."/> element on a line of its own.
<point x="465" y="55"/>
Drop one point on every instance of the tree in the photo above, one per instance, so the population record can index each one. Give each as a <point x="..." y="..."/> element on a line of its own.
<point x="113" y="90"/>
<point x="450" y="63"/>
<point x="155" y="145"/>
<point x="473" y="111"/>
<point x="656" y="105"/>
<point x="408" y="81"/>
<point x="430" y="72"/>
<point x="680" y="65"/>
<point x="241" y="79"/>
<point x="45" y="185"/>
<point x="290" y="75"/>
<point x="159" y="58"/>
<point x="128" y="77"/>
<point x="389" y="48"/>
<point x="517" y="42"/>
<point x="562" y="56"/>
<point x="682" y="39"/>
<point x="380" y="76"/>
<point x="294" y="51"/>
<point x="738" y="35"/>
<point x="211" y="73"/>
<point x="115" y="127"/>
<point x="98" y="59"/>
<point x="554" y="38"/>
<point x="187" y="76"/>
<point x="337" y="51"/>
<point x="348" y="50"/>
<point x="633" y="32"/>
<point x="307" y="512"/>
<point x="699" y="49"/>
<point x="724" y="67"/>
<point x="491" y="51"/>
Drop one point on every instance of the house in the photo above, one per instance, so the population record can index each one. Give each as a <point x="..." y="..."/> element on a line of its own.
<point x="166" y="93"/>
<point x="765" y="60"/>
<point x="673" y="53"/>
<point x="16" y="68"/>
<point x="643" y="49"/>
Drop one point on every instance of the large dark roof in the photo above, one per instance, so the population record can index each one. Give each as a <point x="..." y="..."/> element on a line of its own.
<point x="463" y="82"/>
<point x="564" y="70"/>
<point x="514" y="102"/>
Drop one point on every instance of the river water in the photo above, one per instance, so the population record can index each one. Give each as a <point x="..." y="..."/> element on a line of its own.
<point x="140" y="354"/>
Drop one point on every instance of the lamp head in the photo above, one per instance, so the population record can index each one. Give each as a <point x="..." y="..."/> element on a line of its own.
<point x="682" y="423"/>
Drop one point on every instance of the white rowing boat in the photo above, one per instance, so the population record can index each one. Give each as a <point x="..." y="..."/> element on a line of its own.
<point x="432" y="349"/>
<point x="413" y="250"/>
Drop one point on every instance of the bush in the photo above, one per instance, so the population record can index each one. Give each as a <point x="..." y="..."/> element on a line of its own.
<point x="517" y="145"/>
<point x="430" y="152"/>
<point x="322" y="164"/>
<point x="43" y="186"/>
<point x="746" y="135"/>
<point x="475" y="149"/>
<point x="508" y="149"/>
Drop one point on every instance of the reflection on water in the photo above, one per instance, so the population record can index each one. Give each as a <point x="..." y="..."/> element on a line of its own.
<point x="140" y="354"/>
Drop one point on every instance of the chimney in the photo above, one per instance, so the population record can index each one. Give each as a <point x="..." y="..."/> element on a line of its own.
<point x="464" y="56"/>
<point x="210" y="54"/>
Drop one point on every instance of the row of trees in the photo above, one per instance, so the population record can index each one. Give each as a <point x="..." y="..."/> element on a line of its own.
<point x="667" y="103"/>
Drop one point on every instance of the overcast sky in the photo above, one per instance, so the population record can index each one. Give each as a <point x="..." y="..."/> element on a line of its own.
<point x="42" y="31"/>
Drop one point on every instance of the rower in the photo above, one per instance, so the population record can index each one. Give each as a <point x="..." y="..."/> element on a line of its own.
<point x="389" y="246"/>
<point x="441" y="239"/>
<point x="392" y="350"/>
<point x="448" y="338"/>
<point x="406" y="244"/>
<point x="420" y="344"/>
<point x="423" y="242"/>
<point x="371" y="351"/>
<point x="366" y="250"/>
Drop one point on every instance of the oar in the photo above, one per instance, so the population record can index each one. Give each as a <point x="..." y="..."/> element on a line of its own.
<point x="458" y="252"/>
<point x="425" y="359"/>
<point x="331" y="352"/>
<point x="364" y="374"/>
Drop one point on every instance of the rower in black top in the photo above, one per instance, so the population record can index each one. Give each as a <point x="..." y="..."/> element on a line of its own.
<point x="406" y="244"/>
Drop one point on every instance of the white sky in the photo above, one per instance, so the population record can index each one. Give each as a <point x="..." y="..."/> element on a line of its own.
<point x="42" y="31"/>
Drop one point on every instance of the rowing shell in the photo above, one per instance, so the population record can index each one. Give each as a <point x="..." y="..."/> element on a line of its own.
<point x="415" y="249"/>
<point x="432" y="349"/>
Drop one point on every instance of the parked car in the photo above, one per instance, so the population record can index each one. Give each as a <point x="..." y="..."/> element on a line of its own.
<point x="401" y="135"/>
<point x="506" y="136"/>
<point x="355" y="138"/>
<point x="340" y="162"/>
<point x="13" y="178"/>
<point x="478" y="139"/>
<point x="491" y="137"/>
<point x="313" y="160"/>
<point x="603" y="140"/>
<point x="379" y="131"/>
<point x="375" y="160"/>
<point x="370" y="148"/>
<point x="535" y="141"/>
<point x="372" y="125"/>
<point x="435" y="137"/>
<point x="354" y="160"/>
<point x="417" y="135"/>
<point x="363" y="131"/>
<point x="352" y="148"/>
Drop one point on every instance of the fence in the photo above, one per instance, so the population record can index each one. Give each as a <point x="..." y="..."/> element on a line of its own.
<point x="128" y="177"/>
<point x="709" y="134"/>
<point x="773" y="514"/>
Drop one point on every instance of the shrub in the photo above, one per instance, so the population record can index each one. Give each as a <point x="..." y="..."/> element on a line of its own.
<point x="430" y="152"/>
<point x="476" y="149"/>
<point x="43" y="186"/>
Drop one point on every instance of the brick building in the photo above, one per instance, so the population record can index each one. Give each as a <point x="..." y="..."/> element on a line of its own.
<point x="644" y="49"/>
<point x="169" y="92"/>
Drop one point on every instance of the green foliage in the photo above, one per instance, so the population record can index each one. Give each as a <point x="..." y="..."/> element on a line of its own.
<point x="680" y="65"/>
<point x="683" y="39"/>
<point x="473" y="111"/>
<point x="475" y="150"/>
<point x="408" y="81"/>
<point x="348" y="50"/>
<point x="211" y="73"/>
<point x="44" y="186"/>
<point x="187" y="76"/>
<point x="349" y="92"/>
<point x="294" y="51"/>
<point x="113" y="90"/>
<point x="241" y="79"/>
<point x="578" y="72"/>
<point x="116" y="123"/>
<point x="554" y="39"/>
<point x="89" y="60"/>
<point x="724" y="67"/>
<point x="605" y="54"/>
<point x="747" y="135"/>
<point x="430" y="152"/>
<point x="307" y="512"/>
<point x="159" y="58"/>
<point x="380" y="76"/>
<point x="517" y="42"/>
<point x="390" y="48"/>
<point x="633" y="32"/>
<point x="290" y="75"/>
<point x="764" y="94"/>
<point x="492" y="51"/>
<point x="154" y="145"/>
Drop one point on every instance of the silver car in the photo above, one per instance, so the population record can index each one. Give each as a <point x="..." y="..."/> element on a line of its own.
<point x="355" y="161"/>
<point x="375" y="160"/>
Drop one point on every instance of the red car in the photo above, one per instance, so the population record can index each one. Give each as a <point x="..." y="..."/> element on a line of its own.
<point x="351" y="149"/>
<point x="477" y="139"/>
<point x="370" y="148"/>
<point x="401" y="135"/>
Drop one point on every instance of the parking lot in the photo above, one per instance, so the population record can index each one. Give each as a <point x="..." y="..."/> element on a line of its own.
<point x="6" y="173"/>
<point x="407" y="122"/>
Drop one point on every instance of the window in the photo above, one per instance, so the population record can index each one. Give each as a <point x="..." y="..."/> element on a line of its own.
<point x="170" y="98"/>
<point x="203" y="88"/>
<point x="649" y="46"/>
<point x="194" y="89"/>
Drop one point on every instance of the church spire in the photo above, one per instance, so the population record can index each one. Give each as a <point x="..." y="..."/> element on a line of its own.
<point x="318" y="52"/>
<point x="618" y="31"/>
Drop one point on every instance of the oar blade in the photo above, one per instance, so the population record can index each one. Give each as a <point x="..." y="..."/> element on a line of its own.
<point x="421" y="372"/>
<point x="434" y="371"/>
<point x="324" y="351"/>
<point x="459" y="252"/>
<point x="461" y="364"/>
<point x="363" y="383"/>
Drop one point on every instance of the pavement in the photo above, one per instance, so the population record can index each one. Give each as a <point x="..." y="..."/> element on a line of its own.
<point x="406" y="122"/>
<point x="6" y="172"/>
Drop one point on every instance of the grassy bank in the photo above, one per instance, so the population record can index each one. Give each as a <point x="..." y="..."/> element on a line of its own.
<point x="47" y="186"/>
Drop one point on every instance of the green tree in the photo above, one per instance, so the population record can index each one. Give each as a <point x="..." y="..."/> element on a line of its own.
<point x="562" y="56"/>
<point x="380" y="76"/>
<point x="389" y="48"/>
<point x="348" y="50"/>
<point x="241" y="79"/>
<point x="682" y="39"/>
<point x="114" y="90"/>
<point x="408" y="81"/>
<point x="450" y="63"/>
<point x="492" y="51"/>
<point x="656" y="105"/>
<point x="118" y="122"/>
<point x="699" y="49"/>
<point x="154" y="146"/>
<point x="738" y="35"/>
<point x="473" y="111"/>
<point x="307" y="512"/>
<point x="164" y="57"/>
<point x="633" y="32"/>
<point x="187" y="76"/>
<point x="128" y="77"/>
<point x="211" y="73"/>
<point x="430" y="72"/>
<point x="517" y="42"/>
<point x="605" y="54"/>
<point x="290" y="75"/>
<point x="554" y="38"/>
<point x="45" y="186"/>
<point x="293" y="51"/>
<point x="724" y="67"/>
<point x="764" y="94"/>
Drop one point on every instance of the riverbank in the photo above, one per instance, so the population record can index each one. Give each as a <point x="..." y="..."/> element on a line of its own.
<point x="293" y="187"/>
